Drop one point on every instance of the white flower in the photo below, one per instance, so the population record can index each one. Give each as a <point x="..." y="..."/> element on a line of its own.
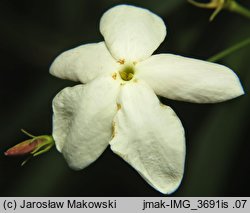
<point x="117" y="104"/>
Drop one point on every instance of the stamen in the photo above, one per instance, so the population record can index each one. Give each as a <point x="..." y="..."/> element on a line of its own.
<point x="114" y="76"/>
<point x="121" y="61"/>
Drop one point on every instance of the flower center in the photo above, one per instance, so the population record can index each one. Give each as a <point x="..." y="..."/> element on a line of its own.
<point x="127" y="72"/>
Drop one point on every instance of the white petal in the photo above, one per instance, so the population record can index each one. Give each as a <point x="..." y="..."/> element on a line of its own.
<point x="132" y="33"/>
<point x="188" y="79"/>
<point x="82" y="121"/>
<point x="84" y="63"/>
<point x="150" y="137"/>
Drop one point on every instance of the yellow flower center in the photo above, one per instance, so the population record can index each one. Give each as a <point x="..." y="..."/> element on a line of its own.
<point x="127" y="72"/>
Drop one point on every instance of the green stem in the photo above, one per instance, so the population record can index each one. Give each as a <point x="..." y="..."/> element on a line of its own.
<point x="237" y="8"/>
<point x="229" y="50"/>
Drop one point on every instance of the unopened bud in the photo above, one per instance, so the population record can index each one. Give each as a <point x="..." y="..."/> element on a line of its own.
<point x="217" y="5"/>
<point x="34" y="146"/>
<point x="25" y="147"/>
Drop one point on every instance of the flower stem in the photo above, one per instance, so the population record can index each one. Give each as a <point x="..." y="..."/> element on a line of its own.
<point x="237" y="8"/>
<point x="229" y="50"/>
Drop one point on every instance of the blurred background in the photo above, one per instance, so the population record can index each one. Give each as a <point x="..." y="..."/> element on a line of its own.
<point x="33" y="33"/>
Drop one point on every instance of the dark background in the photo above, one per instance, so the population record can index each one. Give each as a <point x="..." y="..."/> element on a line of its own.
<point x="33" y="33"/>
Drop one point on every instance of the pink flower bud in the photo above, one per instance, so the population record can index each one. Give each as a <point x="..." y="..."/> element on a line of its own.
<point x="35" y="146"/>
<point x="25" y="147"/>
